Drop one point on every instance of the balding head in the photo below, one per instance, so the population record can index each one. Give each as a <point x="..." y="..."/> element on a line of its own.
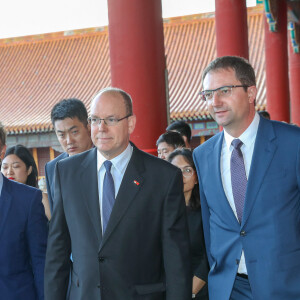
<point x="112" y="121"/>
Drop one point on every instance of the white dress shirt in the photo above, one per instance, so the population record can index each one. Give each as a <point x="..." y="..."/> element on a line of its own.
<point x="248" y="138"/>
<point x="119" y="165"/>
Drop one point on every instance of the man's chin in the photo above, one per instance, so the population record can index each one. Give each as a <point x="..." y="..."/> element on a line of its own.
<point x="71" y="153"/>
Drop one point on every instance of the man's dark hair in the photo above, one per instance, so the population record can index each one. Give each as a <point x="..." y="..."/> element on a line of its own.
<point x="265" y="114"/>
<point x="69" y="108"/>
<point x="126" y="97"/>
<point x="2" y="136"/>
<point x="181" y="127"/>
<point x="172" y="138"/>
<point x="244" y="72"/>
<point x="24" y="154"/>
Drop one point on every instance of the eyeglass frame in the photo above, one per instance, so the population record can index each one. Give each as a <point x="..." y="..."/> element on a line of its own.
<point x="189" y="175"/>
<point x="202" y="93"/>
<point x="99" y="120"/>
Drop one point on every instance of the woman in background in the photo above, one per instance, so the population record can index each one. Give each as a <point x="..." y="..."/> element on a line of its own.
<point x="183" y="159"/>
<point x="19" y="165"/>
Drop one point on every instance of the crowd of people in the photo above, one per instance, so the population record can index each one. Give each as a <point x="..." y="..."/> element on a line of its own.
<point x="219" y="222"/>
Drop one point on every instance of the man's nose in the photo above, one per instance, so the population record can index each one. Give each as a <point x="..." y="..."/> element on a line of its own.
<point x="69" y="139"/>
<point x="216" y="99"/>
<point x="102" y="126"/>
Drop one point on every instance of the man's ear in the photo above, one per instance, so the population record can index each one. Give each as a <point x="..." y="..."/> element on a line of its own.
<point x="88" y="126"/>
<point x="131" y="123"/>
<point x="252" y="92"/>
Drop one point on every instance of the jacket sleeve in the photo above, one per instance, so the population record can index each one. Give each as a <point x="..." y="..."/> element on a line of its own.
<point x="36" y="232"/>
<point x="205" y="212"/>
<point x="48" y="183"/>
<point x="57" y="268"/>
<point x="176" y="245"/>
<point x="202" y="269"/>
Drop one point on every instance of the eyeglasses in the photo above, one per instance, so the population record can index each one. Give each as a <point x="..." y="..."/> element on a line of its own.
<point x="107" y="121"/>
<point x="187" y="172"/>
<point x="223" y="91"/>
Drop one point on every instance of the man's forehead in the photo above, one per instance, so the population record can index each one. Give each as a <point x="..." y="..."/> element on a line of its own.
<point x="67" y="123"/>
<point x="111" y="100"/>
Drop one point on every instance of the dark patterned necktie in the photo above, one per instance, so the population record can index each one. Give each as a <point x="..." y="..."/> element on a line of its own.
<point x="108" y="199"/>
<point x="238" y="177"/>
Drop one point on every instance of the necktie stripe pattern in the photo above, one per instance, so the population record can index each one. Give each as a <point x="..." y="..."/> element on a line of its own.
<point x="238" y="177"/>
<point x="108" y="198"/>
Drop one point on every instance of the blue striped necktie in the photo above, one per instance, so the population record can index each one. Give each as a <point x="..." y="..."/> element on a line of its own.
<point x="108" y="198"/>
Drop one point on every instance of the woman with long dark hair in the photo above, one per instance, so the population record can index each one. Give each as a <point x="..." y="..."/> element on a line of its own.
<point x="18" y="164"/>
<point x="183" y="159"/>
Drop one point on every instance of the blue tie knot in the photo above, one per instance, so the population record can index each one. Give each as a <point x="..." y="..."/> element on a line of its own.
<point x="107" y="165"/>
<point x="237" y="144"/>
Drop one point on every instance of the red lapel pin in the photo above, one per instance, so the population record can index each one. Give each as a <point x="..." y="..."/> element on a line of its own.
<point x="136" y="182"/>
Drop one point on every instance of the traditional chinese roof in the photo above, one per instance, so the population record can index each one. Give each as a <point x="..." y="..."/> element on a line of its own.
<point x="38" y="71"/>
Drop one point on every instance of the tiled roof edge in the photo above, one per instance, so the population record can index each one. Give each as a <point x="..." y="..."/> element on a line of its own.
<point x="53" y="36"/>
<point x="16" y="130"/>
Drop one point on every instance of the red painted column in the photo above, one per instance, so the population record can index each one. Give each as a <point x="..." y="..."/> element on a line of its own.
<point x="276" y="53"/>
<point x="231" y="28"/>
<point x="137" y="62"/>
<point x="294" y="76"/>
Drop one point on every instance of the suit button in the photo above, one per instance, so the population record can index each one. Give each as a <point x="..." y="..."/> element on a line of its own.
<point x="101" y="259"/>
<point x="98" y="286"/>
<point x="243" y="233"/>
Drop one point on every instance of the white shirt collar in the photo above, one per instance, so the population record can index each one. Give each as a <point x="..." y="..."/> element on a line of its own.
<point x="119" y="162"/>
<point x="248" y="136"/>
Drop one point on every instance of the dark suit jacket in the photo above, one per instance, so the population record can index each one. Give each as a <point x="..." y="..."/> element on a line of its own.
<point x="23" y="241"/>
<point x="270" y="229"/>
<point x="199" y="258"/>
<point x="144" y="253"/>
<point x="49" y="172"/>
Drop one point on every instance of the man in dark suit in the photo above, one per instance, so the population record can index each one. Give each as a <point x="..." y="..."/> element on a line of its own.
<point x="23" y="239"/>
<point x="69" y="119"/>
<point x="122" y="214"/>
<point x="249" y="178"/>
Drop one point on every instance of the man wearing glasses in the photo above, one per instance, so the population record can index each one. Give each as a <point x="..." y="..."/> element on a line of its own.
<point x="249" y="179"/>
<point x="121" y="213"/>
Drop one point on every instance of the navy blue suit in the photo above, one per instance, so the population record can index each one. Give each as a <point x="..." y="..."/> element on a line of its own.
<point x="23" y="242"/>
<point x="49" y="172"/>
<point x="270" y="229"/>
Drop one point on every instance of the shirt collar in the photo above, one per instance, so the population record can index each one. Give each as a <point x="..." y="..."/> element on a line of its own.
<point x="119" y="162"/>
<point x="248" y="136"/>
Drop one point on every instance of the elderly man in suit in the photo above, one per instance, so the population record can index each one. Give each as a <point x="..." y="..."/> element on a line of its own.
<point x="249" y="177"/>
<point x="23" y="239"/>
<point x="121" y="212"/>
<point x="69" y="119"/>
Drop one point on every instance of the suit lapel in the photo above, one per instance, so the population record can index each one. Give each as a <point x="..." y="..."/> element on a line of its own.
<point x="62" y="156"/>
<point x="264" y="150"/>
<point x="214" y="161"/>
<point x="88" y="178"/>
<point x="131" y="184"/>
<point x="5" y="202"/>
